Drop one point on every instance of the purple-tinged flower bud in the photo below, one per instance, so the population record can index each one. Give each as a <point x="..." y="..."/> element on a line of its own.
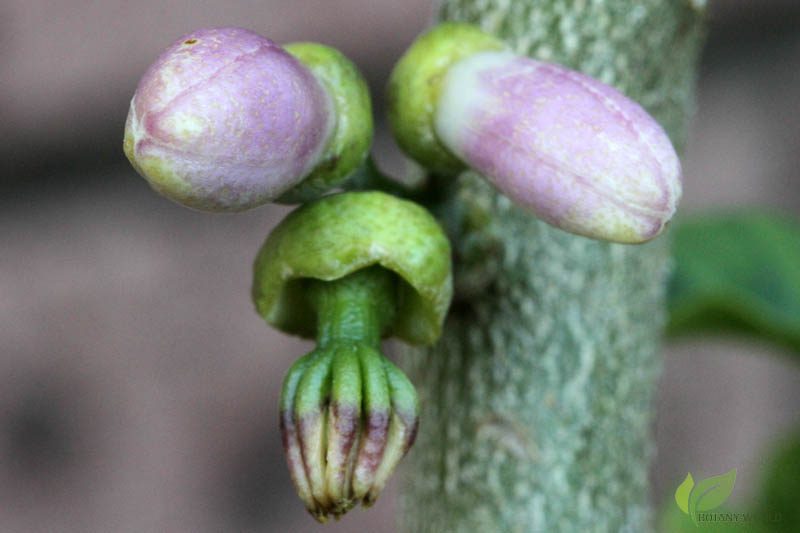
<point x="226" y="120"/>
<point x="577" y="152"/>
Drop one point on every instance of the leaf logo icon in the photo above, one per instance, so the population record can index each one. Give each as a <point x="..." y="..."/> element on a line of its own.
<point x="682" y="494"/>
<point x="705" y="495"/>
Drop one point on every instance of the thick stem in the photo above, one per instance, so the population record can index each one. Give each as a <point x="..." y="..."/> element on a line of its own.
<point x="537" y="403"/>
<point x="355" y="308"/>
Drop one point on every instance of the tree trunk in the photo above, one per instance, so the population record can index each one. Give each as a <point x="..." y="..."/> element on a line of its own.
<point x="537" y="404"/>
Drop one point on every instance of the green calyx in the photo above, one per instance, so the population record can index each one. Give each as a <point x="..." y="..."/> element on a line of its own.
<point x="415" y="85"/>
<point x="352" y="133"/>
<point x="340" y="234"/>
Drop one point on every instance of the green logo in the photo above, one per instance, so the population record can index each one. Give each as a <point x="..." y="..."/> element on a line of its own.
<point x="706" y="495"/>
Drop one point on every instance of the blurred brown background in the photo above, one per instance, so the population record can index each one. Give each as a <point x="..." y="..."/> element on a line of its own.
<point x="138" y="388"/>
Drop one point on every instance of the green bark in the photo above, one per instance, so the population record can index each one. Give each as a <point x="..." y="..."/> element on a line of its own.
<point x="537" y="403"/>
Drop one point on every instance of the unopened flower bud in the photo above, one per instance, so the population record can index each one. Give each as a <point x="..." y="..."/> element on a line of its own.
<point x="576" y="152"/>
<point x="226" y="120"/>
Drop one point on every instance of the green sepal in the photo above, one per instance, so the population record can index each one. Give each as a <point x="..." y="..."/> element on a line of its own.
<point x="352" y="134"/>
<point x="415" y="85"/>
<point x="339" y="234"/>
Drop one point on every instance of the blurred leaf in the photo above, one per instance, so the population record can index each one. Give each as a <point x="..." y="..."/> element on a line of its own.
<point x="737" y="271"/>
<point x="780" y="494"/>
<point x="682" y="493"/>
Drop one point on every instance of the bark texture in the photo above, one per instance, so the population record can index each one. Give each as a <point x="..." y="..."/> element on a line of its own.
<point x="538" y="401"/>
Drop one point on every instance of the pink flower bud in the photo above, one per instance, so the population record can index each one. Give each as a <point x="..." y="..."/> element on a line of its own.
<point x="578" y="153"/>
<point x="226" y="120"/>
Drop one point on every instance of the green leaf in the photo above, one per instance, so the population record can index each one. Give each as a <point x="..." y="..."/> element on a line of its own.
<point x="682" y="494"/>
<point x="737" y="271"/>
<point x="711" y="492"/>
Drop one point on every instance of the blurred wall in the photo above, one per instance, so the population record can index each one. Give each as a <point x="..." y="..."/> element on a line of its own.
<point x="138" y="387"/>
